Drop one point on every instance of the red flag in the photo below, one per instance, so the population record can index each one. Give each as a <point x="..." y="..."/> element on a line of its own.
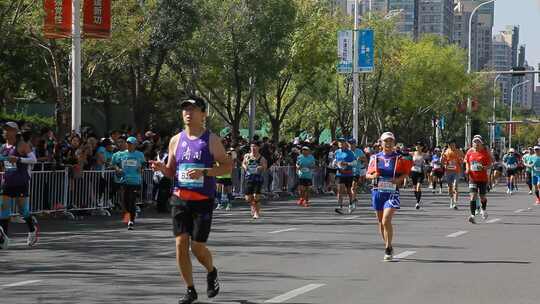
<point x="97" y="19"/>
<point x="58" y="19"/>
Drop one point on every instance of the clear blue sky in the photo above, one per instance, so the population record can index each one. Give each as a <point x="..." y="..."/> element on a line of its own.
<point x="526" y="14"/>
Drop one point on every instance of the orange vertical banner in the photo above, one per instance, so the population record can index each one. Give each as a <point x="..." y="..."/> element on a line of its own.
<point x="58" y="19"/>
<point x="97" y="19"/>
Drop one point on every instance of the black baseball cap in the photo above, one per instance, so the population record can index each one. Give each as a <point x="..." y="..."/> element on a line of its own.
<point x="195" y="101"/>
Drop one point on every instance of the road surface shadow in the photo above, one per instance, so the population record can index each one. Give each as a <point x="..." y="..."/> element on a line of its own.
<point x="462" y="261"/>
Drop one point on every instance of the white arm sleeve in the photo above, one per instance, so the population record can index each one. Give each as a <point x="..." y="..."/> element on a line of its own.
<point x="30" y="159"/>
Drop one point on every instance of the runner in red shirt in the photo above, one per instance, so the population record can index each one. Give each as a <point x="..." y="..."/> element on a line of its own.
<point x="477" y="162"/>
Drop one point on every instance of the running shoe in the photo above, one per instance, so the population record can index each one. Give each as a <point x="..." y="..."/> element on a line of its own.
<point x="530" y="192"/>
<point x="33" y="237"/>
<point x="508" y="191"/>
<point x="300" y="202"/>
<point x="253" y="210"/>
<point x="4" y="240"/>
<point x="440" y="191"/>
<point x="484" y="214"/>
<point x="219" y="207"/>
<point x="189" y="297"/>
<point x="130" y="225"/>
<point x="472" y="219"/>
<point x="417" y="206"/>
<point x="339" y="210"/>
<point x="388" y="253"/>
<point x="256" y="215"/>
<point x="350" y="209"/>
<point x="455" y="206"/>
<point x="228" y="208"/>
<point x="212" y="281"/>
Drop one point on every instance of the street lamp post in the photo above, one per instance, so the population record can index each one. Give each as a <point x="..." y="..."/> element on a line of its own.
<point x="494" y="114"/>
<point x="468" y="125"/>
<point x="511" y="109"/>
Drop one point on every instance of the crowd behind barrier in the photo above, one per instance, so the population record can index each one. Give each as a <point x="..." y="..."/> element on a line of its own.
<point x="64" y="192"/>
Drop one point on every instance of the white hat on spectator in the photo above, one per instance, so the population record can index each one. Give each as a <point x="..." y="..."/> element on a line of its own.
<point x="12" y="125"/>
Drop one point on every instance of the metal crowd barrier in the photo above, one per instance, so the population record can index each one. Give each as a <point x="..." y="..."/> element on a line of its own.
<point x="62" y="191"/>
<point x="279" y="180"/>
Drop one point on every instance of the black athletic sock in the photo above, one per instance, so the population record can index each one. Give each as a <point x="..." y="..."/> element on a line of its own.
<point x="484" y="204"/>
<point x="473" y="207"/>
<point x="440" y="184"/>
<point x="416" y="196"/>
<point x="192" y="288"/>
<point x="419" y="196"/>
<point x="5" y="224"/>
<point x="537" y="193"/>
<point x="30" y="224"/>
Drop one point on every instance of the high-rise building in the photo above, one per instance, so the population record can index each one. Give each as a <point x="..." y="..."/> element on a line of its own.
<point x="536" y="101"/>
<point x="481" y="31"/>
<point x="408" y="23"/>
<point x="436" y="17"/>
<point x="502" y="61"/>
<point x="511" y="35"/>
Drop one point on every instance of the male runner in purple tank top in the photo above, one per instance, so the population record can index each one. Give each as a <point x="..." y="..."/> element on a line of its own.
<point x="196" y="157"/>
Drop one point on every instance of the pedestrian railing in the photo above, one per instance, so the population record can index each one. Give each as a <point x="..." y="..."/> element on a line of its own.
<point x="62" y="191"/>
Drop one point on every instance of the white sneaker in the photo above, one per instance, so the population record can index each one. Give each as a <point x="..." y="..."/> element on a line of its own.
<point x="440" y="191"/>
<point x="255" y="215"/>
<point x="219" y="207"/>
<point x="228" y="208"/>
<point x="417" y="206"/>
<point x="484" y="214"/>
<point x="472" y="220"/>
<point x="530" y="192"/>
<point x="130" y="225"/>
<point x="32" y="239"/>
<point x="508" y="191"/>
<point x="4" y="240"/>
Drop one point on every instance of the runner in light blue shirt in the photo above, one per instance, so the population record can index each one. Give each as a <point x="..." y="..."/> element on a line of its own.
<point x="305" y="164"/>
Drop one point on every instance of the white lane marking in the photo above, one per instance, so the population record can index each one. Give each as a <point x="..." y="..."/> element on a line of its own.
<point x="294" y="293"/>
<point x="456" y="234"/>
<point x="166" y="253"/>
<point x="519" y="210"/>
<point x="21" y="283"/>
<point x="226" y="214"/>
<point x="351" y="217"/>
<point x="404" y="254"/>
<point x="493" y="220"/>
<point x="283" y="230"/>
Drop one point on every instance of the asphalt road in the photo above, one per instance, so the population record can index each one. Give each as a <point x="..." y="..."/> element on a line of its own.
<point x="290" y="255"/>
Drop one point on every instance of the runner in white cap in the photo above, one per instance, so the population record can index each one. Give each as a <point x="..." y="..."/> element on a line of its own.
<point x="388" y="171"/>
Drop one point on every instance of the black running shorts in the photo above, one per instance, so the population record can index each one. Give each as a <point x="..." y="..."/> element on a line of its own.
<point x="478" y="187"/>
<point x="15" y="191"/>
<point x="192" y="217"/>
<point x="417" y="177"/>
<point x="253" y="188"/>
<point x="306" y="182"/>
<point x="345" y="180"/>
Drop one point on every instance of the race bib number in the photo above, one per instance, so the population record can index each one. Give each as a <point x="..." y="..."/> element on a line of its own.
<point x="9" y="166"/>
<point x="417" y="169"/>
<point x="476" y="166"/>
<point x="511" y="166"/>
<point x="473" y="186"/>
<point x="185" y="181"/>
<point x="451" y="165"/>
<point x="436" y="166"/>
<point x="252" y="168"/>
<point x="386" y="185"/>
<point x="305" y="170"/>
<point x="130" y="163"/>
